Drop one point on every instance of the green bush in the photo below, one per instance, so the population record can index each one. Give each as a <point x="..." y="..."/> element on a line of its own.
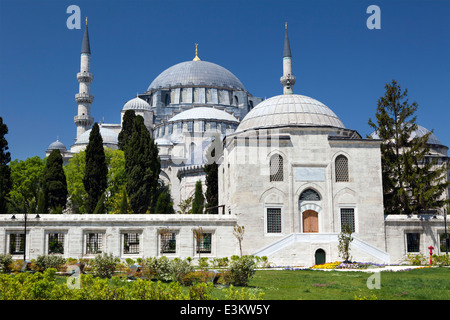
<point x="44" y="262"/>
<point x="5" y="263"/>
<point x="179" y="268"/>
<point x="416" y="259"/>
<point x="441" y="260"/>
<point x="104" y="265"/>
<point x="243" y="294"/>
<point x="241" y="270"/>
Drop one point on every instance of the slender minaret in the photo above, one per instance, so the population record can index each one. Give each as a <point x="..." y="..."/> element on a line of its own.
<point x="287" y="80"/>
<point x="83" y="120"/>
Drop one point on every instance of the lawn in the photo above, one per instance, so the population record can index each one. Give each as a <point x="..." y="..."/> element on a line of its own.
<point x="418" y="284"/>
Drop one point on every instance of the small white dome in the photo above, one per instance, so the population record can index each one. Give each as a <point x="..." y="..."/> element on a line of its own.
<point x="136" y="104"/>
<point x="290" y="110"/>
<point x="204" y="113"/>
<point x="57" y="145"/>
<point x="108" y="136"/>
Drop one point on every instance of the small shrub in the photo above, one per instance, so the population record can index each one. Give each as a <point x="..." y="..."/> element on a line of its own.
<point x="104" y="265"/>
<point x="244" y="294"/>
<point x="5" y="263"/>
<point x="416" y="259"/>
<point x="241" y="270"/>
<point x="179" y="268"/>
<point x="200" y="291"/>
<point x="203" y="262"/>
<point x="44" y="262"/>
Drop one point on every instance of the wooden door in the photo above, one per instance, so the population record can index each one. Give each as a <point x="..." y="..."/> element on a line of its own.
<point x="310" y="221"/>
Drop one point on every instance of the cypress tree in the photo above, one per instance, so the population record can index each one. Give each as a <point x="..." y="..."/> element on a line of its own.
<point x="199" y="200"/>
<point x="164" y="204"/>
<point x="127" y="128"/>
<point x="5" y="171"/>
<point x="54" y="183"/>
<point x="142" y="167"/>
<point x="411" y="183"/>
<point x="212" y="183"/>
<point x="124" y="203"/>
<point x="96" y="171"/>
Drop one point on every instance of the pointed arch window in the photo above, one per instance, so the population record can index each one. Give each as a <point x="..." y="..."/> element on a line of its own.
<point x="309" y="195"/>
<point x="341" y="168"/>
<point x="276" y="168"/>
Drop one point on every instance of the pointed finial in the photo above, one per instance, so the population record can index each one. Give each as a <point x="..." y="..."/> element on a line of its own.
<point x="285" y="25"/>
<point x="196" y="53"/>
<point x="137" y="94"/>
<point x="86" y="20"/>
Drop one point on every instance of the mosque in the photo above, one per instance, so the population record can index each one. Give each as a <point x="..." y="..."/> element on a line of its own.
<point x="290" y="172"/>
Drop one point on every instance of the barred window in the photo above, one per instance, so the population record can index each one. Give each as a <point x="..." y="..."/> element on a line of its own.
<point x="413" y="242"/>
<point x="168" y="242"/>
<point x="341" y="168"/>
<point x="276" y="168"/>
<point x="94" y="243"/>
<point x="309" y="195"/>
<point x="273" y="220"/>
<point x="131" y="243"/>
<point x="16" y="243"/>
<point x="56" y="243"/>
<point x="348" y="219"/>
<point x="205" y="243"/>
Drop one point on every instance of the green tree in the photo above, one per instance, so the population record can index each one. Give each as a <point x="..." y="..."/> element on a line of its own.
<point x="142" y="167"/>
<point x="96" y="171"/>
<point x="164" y="204"/>
<point x="411" y="183"/>
<point x="5" y="172"/>
<point x="212" y="182"/>
<point x="27" y="180"/>
<point x="127" y="128"/>
<point x="54" y="183"/>
<point x="199" y="200"/>
<point x="124" y="207"/>
<point x="75" y="172"/>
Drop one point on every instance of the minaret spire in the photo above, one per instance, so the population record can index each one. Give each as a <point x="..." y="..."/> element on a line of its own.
<point x="84" y="99"/>
<point x="287" y="80"/>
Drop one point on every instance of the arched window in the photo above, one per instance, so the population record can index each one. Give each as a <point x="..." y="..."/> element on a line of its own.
<point x="167" y="99"/>
<point x="309" y="195"/>
<point x="236" y="100"/>
<point x="276" y="168"/>
<point x="341" y="168"/>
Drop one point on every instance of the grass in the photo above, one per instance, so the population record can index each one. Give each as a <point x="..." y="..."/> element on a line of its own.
<point x="418" y="284"/>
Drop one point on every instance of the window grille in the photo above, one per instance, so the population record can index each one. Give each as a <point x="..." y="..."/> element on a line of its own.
<point x="273" y="220"/>
<point x="341" y="167"/>
<point x="276" y="168"/>
<point x="56" y="243"/>
<point x="413" y="242"/>
<point x="348" y="218"/>
<point x="205" y="243"/>
<point x="94" y="243"/>
<point x="309" y="195"/>
<point x="168" y="242"/>
<point x="16" y="243"/>
<point x="131" y="243"/>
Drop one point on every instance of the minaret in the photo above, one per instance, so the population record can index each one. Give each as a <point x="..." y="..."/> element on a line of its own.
<point x="83" y="120"/>
<point x="287" y="80"/>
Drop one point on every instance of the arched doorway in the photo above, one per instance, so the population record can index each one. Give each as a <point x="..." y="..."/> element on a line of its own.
<point x="310" y="221"/>
<point x="319" y="257"/>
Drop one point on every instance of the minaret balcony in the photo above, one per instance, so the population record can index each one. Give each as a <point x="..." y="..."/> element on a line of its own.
<point x="85" y="76"/>
<point x="84" y="98"/>
<point x="83" y="120"/>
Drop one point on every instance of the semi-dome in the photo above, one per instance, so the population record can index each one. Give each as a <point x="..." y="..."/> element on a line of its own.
<point x="57" y="145"/>
<point x="108" y="137"/>
<point x="290" y="110"/>
<point x="204" y="113"/>
<point x="196" y="73"/>
<point x="136" y="104"/>
<point x="419" y="132"/>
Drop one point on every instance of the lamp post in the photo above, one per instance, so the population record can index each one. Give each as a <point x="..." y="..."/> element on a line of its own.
<point x="25" y="236"/>
<point x="445" y="231"/>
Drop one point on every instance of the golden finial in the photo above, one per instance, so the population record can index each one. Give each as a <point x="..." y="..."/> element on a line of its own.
<point x="285" y="25"/>
<point x="86" y="20"/>
<point x="196" y="53"/>
<point x="137" y="94"/>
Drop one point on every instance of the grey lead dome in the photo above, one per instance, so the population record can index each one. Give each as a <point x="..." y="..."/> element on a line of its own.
<point x="196" y="73"/>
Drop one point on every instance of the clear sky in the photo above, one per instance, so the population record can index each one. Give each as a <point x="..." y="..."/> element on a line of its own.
<point x="336" y="58"/>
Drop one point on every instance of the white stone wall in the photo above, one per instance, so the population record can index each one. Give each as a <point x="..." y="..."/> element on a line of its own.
<point x="75" y="227"/>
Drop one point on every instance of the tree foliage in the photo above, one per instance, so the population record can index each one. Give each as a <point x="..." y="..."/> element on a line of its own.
<point x="164" y="204"/>
<point x="199" y="200"/>
<point x="5" y="172"/>
<point x="54" y="183"/>
<point x="127" y="128"/>
<point x="95" y="174"/>
<point x="142" y="167"/>
<point x="412" y="180"/>
<point x="212" y="183"/>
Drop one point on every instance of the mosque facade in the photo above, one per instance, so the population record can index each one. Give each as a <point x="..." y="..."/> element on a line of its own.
<point x="290" y="172"/>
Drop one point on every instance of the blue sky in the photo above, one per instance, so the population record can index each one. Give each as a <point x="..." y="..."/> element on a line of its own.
<point x="336" y="58"/>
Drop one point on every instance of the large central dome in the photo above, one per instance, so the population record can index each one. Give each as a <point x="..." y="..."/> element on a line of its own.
<point x="196" y="73"/>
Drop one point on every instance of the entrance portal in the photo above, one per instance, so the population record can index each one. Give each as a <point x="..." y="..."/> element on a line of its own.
<point x="310" y="221"/>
